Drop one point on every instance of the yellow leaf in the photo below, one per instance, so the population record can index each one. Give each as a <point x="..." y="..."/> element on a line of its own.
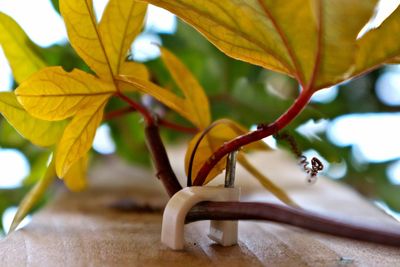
<point x="18" y="49"/>
<point x="84" y="36"/>
<point x="218" y="133"/>
<point x="193" y="106"/>
<point x="34" y="195"/>
<point x="53" y="94"/>
<point x="394" y="60"/>
<point x="195" y="97"/>
<point x="130" y="83"/>
<point x="121" y="23"/>
<point x="238" y="28"/>
<point x="78" y="136"/>
<point x="39" y="132"/>
<point x="339" y="37"/>
<point x="76" y="178"/>
<point x="264" y="181"/>
<point x="313" y="41"/>
<point x="138" y="70"/>
<point x="380" y="45"/>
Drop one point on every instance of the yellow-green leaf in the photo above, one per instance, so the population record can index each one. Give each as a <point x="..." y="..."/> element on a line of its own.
<point x="78" y="136"/>
<point x="193" y="106"/>
<point x="219" y="132"/>
<point x="84" y="36"/>
<point x="18" y="49"/>
<point x="54" y="94"/>
<point x="130" y="83"/>
<point x="239" y="28"/>
<point x="39" y="132"/>
<point x="76" y="178"/>
<point x="395" y="60"/>
<point x="339" y="37"/>
<point x="34" y="195"/>
<point x="121" y="23"/>
<point x="380" y="45"/>
<point x="313" y="41"/>
<point x="267" y="183"/>
<point x="134" y="69"/>
<point x="195" y="97"/>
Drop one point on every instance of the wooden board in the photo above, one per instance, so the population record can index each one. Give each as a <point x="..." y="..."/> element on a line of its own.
<point x="117" y="222"/>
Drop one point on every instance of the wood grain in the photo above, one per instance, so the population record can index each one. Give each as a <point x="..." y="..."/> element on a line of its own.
<point x="117" y="222"/>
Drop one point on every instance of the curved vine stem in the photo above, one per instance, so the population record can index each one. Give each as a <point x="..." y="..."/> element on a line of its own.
<point x="291" y="216"/>
<point x="254" y="210"/>
<point x="161" y="160"/>
<point x="156" y="147"/>
<point x="262" y="131"/>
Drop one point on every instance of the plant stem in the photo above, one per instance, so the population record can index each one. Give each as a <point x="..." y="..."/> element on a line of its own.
<point x="118" y="113"/>
<point x="156" y="148"/>
<point x="136" y="106"/>
<point x="254" y="210"/>
<point x="161" y="160"/>
<point x="177" y="127"/>
<point x="262" y="131"/>
<point x="291" y="216"/>
<point x="167" y="124"/>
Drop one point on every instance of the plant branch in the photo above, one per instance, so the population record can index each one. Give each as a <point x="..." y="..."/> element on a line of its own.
<point x="118" y="113"/>
<point x="161" y="160"/>
<point x="262" y="131"/>
<point x="255" y="210"/>
<point x="177" y="127"/>
<point x="290" y="216"/>
<point x="162" y="122"/>
<point x="156" y="147"/>
<point x="136" y="106"/>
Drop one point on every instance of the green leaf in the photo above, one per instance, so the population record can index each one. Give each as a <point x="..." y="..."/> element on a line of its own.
<point x="84" y="35"/>
<point x="53" y="94"/>
<point x="78" y="137"/>
<point x="380" y="45"/>
<point x="18" y="49"/>
<point x="34" y="195"/>
<point x="39" y="132"/>
<point x="122" y="21"/>
<point x="195" y="97"/>
<point x="313" y="41"/>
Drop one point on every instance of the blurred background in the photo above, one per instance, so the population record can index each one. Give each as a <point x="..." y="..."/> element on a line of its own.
<point x="352" y="127"/>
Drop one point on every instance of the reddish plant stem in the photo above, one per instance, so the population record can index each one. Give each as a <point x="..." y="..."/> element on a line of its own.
<point x="136" y="106"/>
<point x="256" y="211"/>
<point x="167" y="124"/>
<point x="118" y="113"/>
<point x="177" y="127"/>
<point x="161" y="160"/>
<point x="262" y="131"/>
<point x="156" y="148"/>
<point x="291" y="216"/>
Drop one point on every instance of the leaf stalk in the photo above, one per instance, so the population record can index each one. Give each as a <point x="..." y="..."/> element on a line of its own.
<point x="263" y="130"/>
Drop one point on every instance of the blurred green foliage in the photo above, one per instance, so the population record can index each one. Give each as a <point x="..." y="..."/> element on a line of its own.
<point x="240" y="91"/>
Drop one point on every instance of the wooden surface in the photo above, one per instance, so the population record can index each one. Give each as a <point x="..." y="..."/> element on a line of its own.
<point x="117" y="222"/>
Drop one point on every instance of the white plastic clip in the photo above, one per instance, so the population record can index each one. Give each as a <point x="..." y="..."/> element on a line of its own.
<point x="222" y="232"/>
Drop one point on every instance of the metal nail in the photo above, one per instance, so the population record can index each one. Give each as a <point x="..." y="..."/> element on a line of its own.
<point x="230" y="169"/>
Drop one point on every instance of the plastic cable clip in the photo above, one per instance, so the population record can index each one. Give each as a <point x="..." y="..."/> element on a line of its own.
<point x="223" y="232"/>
